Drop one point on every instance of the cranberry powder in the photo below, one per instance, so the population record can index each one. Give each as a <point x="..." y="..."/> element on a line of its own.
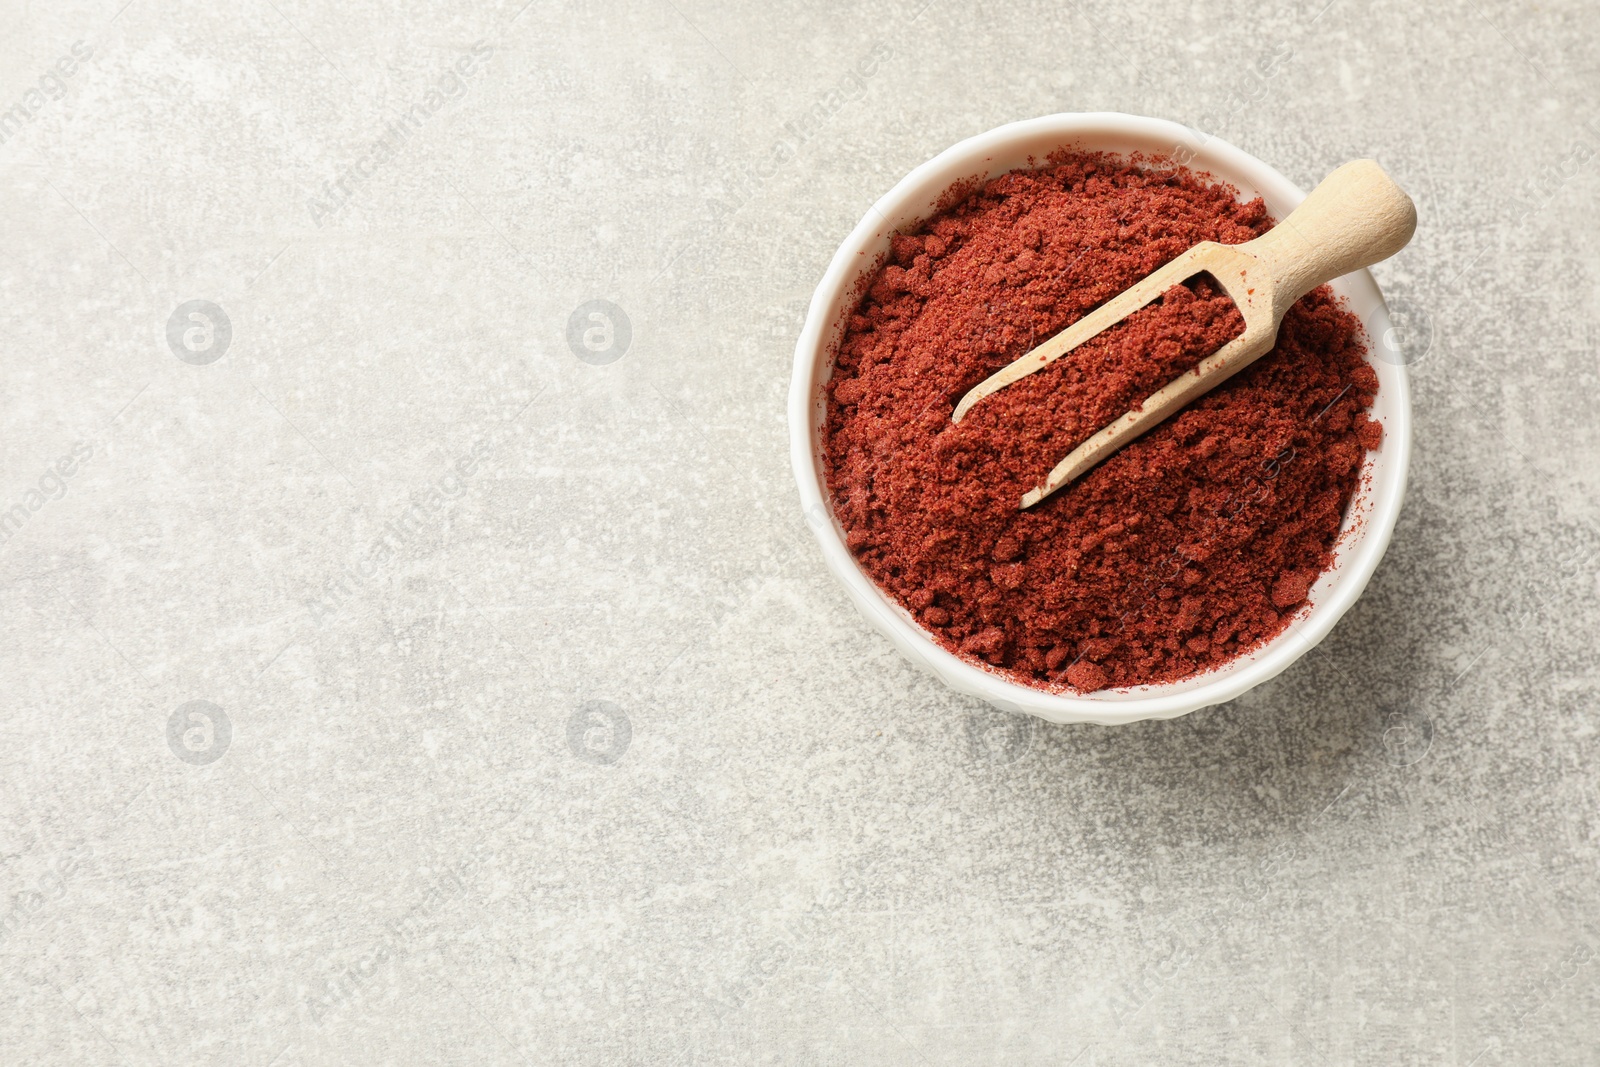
<point x="1191" y="545"/>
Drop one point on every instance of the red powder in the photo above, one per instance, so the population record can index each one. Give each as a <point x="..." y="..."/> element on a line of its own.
<point x="1189" y="546"/>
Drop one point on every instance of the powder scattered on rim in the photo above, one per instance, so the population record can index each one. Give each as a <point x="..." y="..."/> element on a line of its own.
<point x="1190" y="546"/>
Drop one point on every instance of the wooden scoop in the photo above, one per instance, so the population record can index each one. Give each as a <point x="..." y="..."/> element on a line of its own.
<point x="1355" y="218"/>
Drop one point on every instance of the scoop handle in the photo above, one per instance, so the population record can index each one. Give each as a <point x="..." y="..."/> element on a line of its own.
<point x="1356" y="217"/>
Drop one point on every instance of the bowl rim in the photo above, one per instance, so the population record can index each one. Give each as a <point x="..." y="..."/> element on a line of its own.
<point x="813" y="364"/>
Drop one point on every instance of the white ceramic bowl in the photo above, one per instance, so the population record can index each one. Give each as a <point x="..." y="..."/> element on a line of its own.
<point x="1368" y="523"/>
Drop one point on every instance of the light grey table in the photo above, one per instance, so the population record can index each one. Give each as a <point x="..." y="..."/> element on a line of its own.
<point x="530" y="728"/>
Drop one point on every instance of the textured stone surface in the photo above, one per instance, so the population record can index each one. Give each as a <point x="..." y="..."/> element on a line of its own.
<point x="594" y="764"/>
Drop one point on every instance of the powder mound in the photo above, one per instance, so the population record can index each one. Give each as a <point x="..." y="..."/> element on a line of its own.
<point x="1369" y="432"/>
<point x="1086" y="676"/>
<point x="1188" y="547"/>
<point x="1292" y="588"/>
